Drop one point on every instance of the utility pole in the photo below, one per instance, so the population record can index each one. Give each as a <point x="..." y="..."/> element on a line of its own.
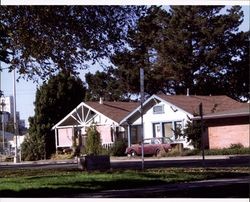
<point x="142" y="128"/>
<point x="2" y="104"/>
<point x="202" y="134"/>
<point x="3" y="128"/>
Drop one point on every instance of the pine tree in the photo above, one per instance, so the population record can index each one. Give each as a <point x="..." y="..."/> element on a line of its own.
<point x="54" y="100"/>
<point x="195" y="47"/>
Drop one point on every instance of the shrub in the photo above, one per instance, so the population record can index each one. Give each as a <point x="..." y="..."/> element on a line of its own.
<point x="93" y="142"/>
<point x="173" y="152"/>
<point x="32" y="148"/>
<point x="236" y="146"/>
<point x="193" y="133"/>
<point x="119" y="148"/>
<point x="61" y="156"/>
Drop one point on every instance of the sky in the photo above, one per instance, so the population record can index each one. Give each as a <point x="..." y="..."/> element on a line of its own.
<point x="26" y="90"/>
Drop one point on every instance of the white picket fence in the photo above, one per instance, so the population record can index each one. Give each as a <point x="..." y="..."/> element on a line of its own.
<point x="107" y="145"/>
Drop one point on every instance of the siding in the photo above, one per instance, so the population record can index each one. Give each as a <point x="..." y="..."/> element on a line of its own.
<point x="105" y="132"/>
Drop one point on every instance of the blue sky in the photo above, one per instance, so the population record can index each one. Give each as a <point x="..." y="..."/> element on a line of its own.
<point x="25" y="90"/>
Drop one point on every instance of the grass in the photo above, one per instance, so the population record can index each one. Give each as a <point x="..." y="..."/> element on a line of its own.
<point x="66" y="183"/>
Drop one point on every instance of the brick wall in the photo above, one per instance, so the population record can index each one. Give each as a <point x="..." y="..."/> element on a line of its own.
<point x="224" y="136"/>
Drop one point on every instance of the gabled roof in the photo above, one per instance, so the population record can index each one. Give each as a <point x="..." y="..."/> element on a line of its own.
<point x="188" y="104"/>
<point x="211" y="104"/>
<point x="114" y="110"/>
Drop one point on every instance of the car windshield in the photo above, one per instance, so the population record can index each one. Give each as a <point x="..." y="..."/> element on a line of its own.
<point x="155" y="141"/>
<point x="158" y="140"/>
<point x="166" y="140"/>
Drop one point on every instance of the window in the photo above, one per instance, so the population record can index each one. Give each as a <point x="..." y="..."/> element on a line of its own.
<point x="167" y="129"/>
<point x="158" y="109"/>
<point x="136" y="131"/>
<point x="171" y="129"/>
<point x="157" y="130"/>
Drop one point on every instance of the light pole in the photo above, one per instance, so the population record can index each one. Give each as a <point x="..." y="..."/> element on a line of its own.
<point x="16" y="157"/>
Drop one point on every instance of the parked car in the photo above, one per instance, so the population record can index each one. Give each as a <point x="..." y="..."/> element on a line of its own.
<point x="152" y="146"/>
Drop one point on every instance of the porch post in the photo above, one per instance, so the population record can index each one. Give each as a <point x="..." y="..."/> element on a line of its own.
<point x="73" y="140"/>
<point x="56" y="132"/>
<point x="129" y="135"/>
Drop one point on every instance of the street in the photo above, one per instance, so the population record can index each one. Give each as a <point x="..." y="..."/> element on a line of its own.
<point x="136" y="163"/>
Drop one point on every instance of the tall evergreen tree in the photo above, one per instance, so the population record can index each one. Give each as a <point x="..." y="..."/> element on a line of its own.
<point x="202" y="47"/>
<point x="104" y="84"/>
<point x="54" y="100"/>
<point x="195" y="47"/>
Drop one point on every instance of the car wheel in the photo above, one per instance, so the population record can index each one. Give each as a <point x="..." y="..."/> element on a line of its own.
<point x="157" y="152"/>
<point x="132" y="153"/>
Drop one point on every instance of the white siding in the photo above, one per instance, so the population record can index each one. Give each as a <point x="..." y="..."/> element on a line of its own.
<point x="170" y="114"/>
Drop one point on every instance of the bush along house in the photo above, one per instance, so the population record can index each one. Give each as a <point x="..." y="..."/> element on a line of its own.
<point x="226" y="120"/>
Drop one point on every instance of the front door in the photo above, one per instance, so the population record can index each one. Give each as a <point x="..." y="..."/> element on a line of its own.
<point x="157" y="130"/>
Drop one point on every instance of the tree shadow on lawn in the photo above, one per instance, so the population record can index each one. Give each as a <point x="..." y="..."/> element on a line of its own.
<point x="72" y="189"/>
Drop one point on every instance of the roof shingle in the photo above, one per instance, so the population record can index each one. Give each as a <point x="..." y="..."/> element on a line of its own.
<point x="211" y="104"/>
<point x="114" y="110"/>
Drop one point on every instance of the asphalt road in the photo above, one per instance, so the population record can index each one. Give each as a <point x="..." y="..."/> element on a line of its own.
<point x="125" y="163"/>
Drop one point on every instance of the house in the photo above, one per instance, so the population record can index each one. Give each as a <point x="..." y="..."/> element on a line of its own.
<point x="8" y="138"/>
<point x="105" y="115"/>
<point x="10" y="141"/>
<point x="165" y="114"/>
<point x="228" y="127"/>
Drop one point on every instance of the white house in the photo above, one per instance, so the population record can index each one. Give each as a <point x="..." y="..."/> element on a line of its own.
<point x="163" y="114"/>
<point x="105" y="115"/>
<point x="160" y="119"/>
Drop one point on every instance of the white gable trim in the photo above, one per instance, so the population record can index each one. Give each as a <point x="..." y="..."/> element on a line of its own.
<point x="67" y="116"/>
<point x="153" y="97"/>
<point x="135" y="110"/>
<point x="82" y="104"/>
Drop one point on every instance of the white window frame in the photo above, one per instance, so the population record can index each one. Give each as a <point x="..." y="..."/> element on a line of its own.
<point x="158" y="111"/>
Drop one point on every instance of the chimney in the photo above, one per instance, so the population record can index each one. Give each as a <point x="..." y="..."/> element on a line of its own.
<point x="187" y="91"/>
<point x="101" y="101"/>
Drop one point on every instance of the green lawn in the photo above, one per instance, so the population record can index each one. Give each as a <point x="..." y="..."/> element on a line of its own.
<point x="66" y="183"/>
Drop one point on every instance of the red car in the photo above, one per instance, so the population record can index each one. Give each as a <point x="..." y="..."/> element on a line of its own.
<point x="152" y="146"/>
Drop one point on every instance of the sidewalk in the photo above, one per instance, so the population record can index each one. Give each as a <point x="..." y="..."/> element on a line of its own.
<point x="66" y="161"/>
<point x="196" y="157"/>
